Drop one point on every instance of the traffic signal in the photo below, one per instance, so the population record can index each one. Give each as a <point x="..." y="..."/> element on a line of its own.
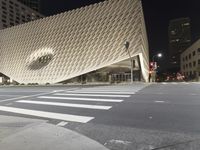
<point x="152" y="66"/>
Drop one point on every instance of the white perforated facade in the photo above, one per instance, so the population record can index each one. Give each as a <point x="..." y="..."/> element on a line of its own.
<point x="73" y="43"/>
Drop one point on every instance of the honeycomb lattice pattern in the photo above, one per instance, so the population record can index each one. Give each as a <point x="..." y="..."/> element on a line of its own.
<point x="78" y="41"/>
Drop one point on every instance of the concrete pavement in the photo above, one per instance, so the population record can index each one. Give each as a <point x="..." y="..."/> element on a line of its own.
<point x="30" y="134"/>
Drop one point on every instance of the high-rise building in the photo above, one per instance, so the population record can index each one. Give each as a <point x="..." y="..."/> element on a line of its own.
<point x="179" y="39"/>
<point x="13" y="13"/>
<point x="34" y="4"/>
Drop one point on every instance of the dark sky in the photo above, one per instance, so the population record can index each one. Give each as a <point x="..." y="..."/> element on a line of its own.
<point x="157" y="15"/>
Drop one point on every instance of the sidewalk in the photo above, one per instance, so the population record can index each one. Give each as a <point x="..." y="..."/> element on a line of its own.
<point x="31" y="134"/>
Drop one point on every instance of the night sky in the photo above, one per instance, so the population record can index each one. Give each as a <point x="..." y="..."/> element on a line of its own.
<point x="157" y="15"/>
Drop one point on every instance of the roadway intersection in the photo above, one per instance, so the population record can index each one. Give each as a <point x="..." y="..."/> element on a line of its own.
<point x="117" y="115"/>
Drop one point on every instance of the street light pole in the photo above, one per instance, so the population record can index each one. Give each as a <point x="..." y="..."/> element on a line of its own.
<point x="131" y="61"/>
<point x="159" y="55"/>
<point x="154" y="67"/>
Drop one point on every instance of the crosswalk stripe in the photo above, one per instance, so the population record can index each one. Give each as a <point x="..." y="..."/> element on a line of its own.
<point x="62" y="124"/>
<point x="185" y="83"/>
<point x="174" y="83"/>
<point x="81" y="99"/>
<point x="102" y="92"/>
<point x="91" y="95"/>
<point x="66" y="104"/>
<point x="59" y="116"/>
<point x="164" y="83"/>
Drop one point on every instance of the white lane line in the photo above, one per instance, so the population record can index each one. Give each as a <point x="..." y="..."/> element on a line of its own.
<point x="185" y="83"/>
<point x="174" y="83"/>
<point x="62" y="124"/>
<point x="58" y="90"/>
<point x="159" y="101"/>
<point x="101" y="92"/>
<point x="164" y="83"/>
<point x="10" y="95"/>
<point x="193" y="94"/>
<point x="105" y="90"/>
<point x="91" y="95"/>
<point x="82" y="99"/>
<point x="66" y="104"/>
<point x="59" y="116"/>
<point x="28" y="96"/>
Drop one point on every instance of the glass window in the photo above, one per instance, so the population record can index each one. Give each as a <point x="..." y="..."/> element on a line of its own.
<point x="11" y="2"/>
<point x="4" y="12"/>
<point x="16" y="9"/>
<point x="3" y="16"/>
<point x="11" y="15"/>
<point x="3" y="20"/>
<point x="11" y="7"/>
<point x="11" y="19"/>
<point x="194" y="63"/>
<point x="3" y="7"/>
<point x="5" y="26"/>
<point x="189" y="56"/>
<point x="16" y="5"/>
<point x="3" y="3"/>
<point x="194" y="53"/>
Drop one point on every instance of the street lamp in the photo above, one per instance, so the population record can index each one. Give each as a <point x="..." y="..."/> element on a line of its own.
<point x="159" y="55"/>
<point x="153" y="67"/>
<point x="127" y="44"/>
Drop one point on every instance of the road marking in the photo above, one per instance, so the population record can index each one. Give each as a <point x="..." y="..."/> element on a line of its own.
<point x="185" y="83"/>
<point x="164" y="83"/>
<point x="174" y="83"/>
<point x="159" y="101"/>
<point x="193" y="94"/>
<point x="113" y="141"/>
<point x="62" y="124"/>
<point x="58" y="90"/>
<point x="59" y="116"/>
<point x="160" y="93"/>
<point x="28" y="96"/>
<point x="66" y="104"/>
<point x="82" y="99"/>
<point x="91" y="95"/>
<point x="103" y="92"/>
<point x="8" y="104"/>
<point x="10" y="95"/>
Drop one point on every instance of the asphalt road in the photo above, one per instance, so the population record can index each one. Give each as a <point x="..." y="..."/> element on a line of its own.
<point x="139" y="116"/>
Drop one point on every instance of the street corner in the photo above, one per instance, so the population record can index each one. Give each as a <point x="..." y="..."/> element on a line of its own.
<point x="33" y="134"/>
